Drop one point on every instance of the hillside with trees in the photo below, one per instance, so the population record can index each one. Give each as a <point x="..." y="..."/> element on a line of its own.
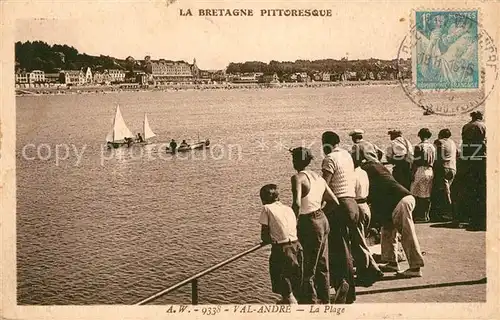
<point x="38" y="55"/>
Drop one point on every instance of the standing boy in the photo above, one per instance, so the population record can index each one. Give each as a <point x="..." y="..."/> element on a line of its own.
<point x="279" y="228"/>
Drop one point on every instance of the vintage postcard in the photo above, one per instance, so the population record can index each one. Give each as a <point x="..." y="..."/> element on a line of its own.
<point x="195" y="159"/>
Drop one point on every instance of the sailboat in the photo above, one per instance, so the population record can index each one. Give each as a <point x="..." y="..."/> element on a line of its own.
<point x="120" y="134"/>
<point x="147" y="133"/>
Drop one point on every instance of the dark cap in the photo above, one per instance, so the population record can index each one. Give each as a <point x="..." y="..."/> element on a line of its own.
<point x="476" y="114"/>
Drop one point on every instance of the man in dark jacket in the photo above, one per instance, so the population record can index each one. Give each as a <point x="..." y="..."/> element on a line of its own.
<point x="473" y="172"/>
<point x="393" y="205"/>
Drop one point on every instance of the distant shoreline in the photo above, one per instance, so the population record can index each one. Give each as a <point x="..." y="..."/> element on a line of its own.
<point x="39" y="91"/>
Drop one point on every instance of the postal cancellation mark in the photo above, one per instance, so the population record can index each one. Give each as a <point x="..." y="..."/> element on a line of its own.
<point x="454" y="61"/>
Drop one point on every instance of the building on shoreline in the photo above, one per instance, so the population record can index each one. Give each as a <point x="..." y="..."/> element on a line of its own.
<point x="52" y="77"/>
<point x="35" y="76"/>
<point x="108" y="76"/>
<point x="22" y="77"/>
<point x="166" y="71"/>
<point x="245" y="78"/>
<point x="101" y="78"/>
<point x="88" y="76"/>
<point x="72" y="77"/>
<point x="116" y="75"/>
<point x="212" y="76"/>
<point x="270" y="78"/>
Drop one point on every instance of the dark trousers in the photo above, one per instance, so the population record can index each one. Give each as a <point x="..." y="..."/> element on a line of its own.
<point x="285" y="268"/>
<point x="422" y="209"/>
<point x="343" y="221"/>
<point x="458" y="190"/>
<point x="402" y="173"/>
<point x="471" y="193"/>
<point x="312" y="231"/>
<point x="441" y="192"/>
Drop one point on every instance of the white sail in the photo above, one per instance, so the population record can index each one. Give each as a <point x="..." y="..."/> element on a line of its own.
<point x="120" y="131"/>
<point x="148" y="133"/>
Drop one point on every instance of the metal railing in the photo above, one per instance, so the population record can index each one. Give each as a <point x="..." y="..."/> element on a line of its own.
<point x="194" y="279"/>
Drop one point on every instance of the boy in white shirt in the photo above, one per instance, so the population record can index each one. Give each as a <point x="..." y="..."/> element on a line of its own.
<point x="279" y="228"/>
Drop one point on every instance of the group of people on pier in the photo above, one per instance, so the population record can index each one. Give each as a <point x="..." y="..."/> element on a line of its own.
<point x="320" y="241"/>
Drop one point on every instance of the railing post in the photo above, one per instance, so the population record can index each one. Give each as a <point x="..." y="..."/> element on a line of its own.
<point x="194" y="279"/>
<point x="194" y="292"/>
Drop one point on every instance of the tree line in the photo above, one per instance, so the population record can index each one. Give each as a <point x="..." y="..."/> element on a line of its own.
<point x="310" y="67"/>
<point x="38" y="55"/>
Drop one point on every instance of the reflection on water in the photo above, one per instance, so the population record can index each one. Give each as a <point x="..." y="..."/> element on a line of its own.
<point x="119" y="225"/>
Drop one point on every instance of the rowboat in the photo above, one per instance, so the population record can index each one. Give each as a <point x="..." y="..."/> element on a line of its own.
<point x="194" y="146"/>
<point x="120" y="134"/>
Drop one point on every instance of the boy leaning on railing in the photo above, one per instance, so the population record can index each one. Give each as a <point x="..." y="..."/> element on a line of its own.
<point x="279" y="228"/>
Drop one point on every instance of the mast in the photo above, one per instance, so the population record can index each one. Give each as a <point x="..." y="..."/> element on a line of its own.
<point x="114" y="121"/>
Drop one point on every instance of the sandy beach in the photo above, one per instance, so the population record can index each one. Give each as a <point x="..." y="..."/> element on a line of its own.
<point x="131" y="87"/>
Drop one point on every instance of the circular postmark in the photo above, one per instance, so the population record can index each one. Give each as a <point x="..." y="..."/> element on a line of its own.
<point x="454" y="62"/>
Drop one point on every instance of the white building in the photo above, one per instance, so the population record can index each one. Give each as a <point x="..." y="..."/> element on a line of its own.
<point x="35" y="76"/>
<point x="88" y="76"/>
<point x="75" y="77"/>
<point x="22" y="77"/>
<point x="116" y="75"/>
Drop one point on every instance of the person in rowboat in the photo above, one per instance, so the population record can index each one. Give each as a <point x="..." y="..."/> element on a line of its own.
<point x="184" y="144"/>
<point x="173" y="146"/>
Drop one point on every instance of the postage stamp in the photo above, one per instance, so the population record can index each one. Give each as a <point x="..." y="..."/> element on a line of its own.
<point x="453" y="61"/>
<point x="447" y="49"/>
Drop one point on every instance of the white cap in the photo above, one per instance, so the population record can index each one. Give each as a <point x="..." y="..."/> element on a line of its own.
<point x="356" y="131"/>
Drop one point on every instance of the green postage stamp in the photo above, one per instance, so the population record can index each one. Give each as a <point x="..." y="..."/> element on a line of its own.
<point x="447" y="50"/>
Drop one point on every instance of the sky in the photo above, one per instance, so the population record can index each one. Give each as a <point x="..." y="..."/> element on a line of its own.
<point x="359" y="30"/>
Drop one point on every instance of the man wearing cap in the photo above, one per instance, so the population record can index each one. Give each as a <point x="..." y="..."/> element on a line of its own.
<point x="400" y="154"/>
<point x="363" y="149"/>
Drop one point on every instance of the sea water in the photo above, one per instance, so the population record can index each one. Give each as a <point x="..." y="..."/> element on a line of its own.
<point x="96" y="227"/>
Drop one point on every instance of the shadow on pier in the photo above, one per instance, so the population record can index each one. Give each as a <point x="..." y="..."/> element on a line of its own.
<point x="426" y="286"/>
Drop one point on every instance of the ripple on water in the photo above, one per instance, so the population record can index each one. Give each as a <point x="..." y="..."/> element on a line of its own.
<point x="113" y="230"/>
